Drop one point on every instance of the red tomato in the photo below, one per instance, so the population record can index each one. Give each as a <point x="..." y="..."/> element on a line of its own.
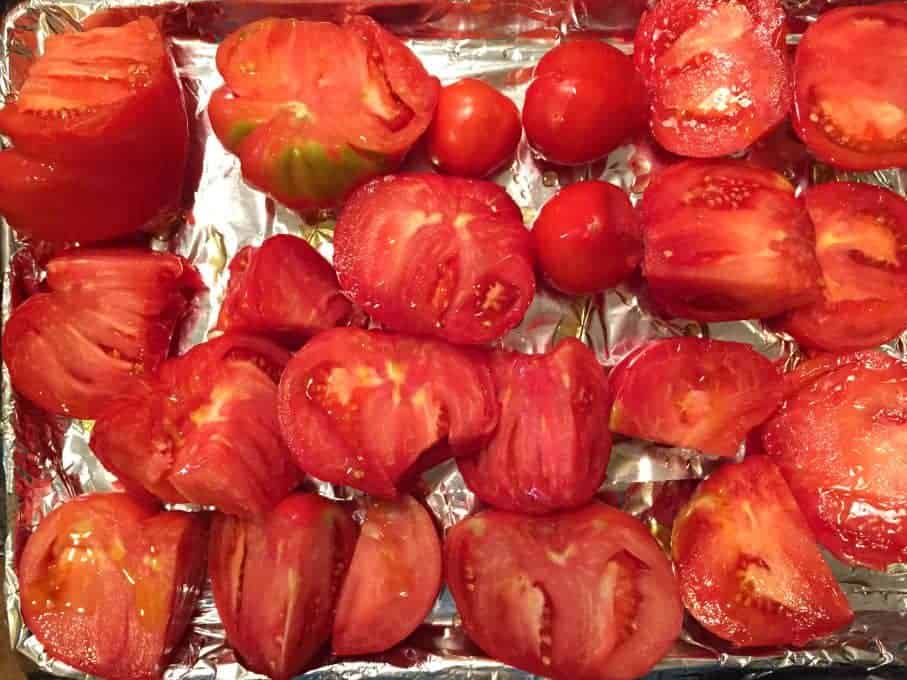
<point x="584" y="102"/>
<point x="204" y="430"/>
<point x="438" y="256"/>
<point x="749" y="568"/>
<point x="838" y="442"/>
<point x="586" y="238"/>
<point x="276" y="580"/>
<point x="551" y="448"/>
<point x="850" y="104"/>
<point x="694" y="393"/>
<point x="861" y="243"/>
<point x="106" y="318"/>
<point x="585" y="595"/>
<point x="476" y="129"/>
<point x="725" y="240"/>
<point x="108" y="585"/>
<point x="101" y="137"/>
<point x="717" y="73"/>
<point x="283" y="289"/>
<point x="306" y="149"/>
<point x="393" y="580"/>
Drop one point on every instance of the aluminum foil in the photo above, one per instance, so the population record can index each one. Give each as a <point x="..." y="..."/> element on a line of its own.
<point x="47" y="460"/>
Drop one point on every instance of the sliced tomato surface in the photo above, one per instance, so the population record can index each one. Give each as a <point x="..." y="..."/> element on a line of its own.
<point x="725" y="240"/>
<point x="108" y="584"/>
<point x="586" y="594"/>
<point x="276" y="580"/>
<point x="432" y="255"/>
<point x="695" y="393"/>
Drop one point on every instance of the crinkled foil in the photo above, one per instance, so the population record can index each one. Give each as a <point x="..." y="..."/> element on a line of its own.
<point x="46" y="461"/>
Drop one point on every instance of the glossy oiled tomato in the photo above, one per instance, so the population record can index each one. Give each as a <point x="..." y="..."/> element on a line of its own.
<point x="438" y="256"/>
<point x="104" y="318"/>
<point x="850" y="104"/>
<point x="584" y="595"/>
<point x="726" y="240"/>
<point x="370" y="409"/>
<point x="276" y="580"/>
<point x="749" y="568"/>
<point x="108" y="585"/>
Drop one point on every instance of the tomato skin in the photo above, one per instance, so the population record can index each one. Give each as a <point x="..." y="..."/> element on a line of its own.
<point x="276" y="580"/>
<point x="475" y="131"/>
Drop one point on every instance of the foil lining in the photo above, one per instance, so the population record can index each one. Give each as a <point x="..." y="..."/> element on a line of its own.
<point x="47" y="460"/>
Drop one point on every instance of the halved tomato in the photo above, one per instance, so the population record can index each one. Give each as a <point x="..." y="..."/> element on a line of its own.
<point x="585" y="595"/>
<point x="749" y="567"/>
<point x="108" y="585"/>
<point x="105" y="320"/>
<point x="204" y="430"/>
<point x="552" y="445"/>
<point x="840" y="443"/>
<point x="276" y="580"/>
<point x="432" y="255"/>
<point x="725" y="240"/>
<point x="695" y="393"/>
<point x="393" y="580"/>
<point x="850" y="104"/>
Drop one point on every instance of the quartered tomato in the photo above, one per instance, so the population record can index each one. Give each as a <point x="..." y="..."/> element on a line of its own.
<point x="307" y="149"/>
<point x="695" y="393"/>
<point x="749" y="568"/>
<point x="850" y="104"/>
<point x="585" y="595"/>
<point x="439" y="256"/>
<point x="282" y="289"/>
<point x="108" y="585"/>
<point x="725" y="240"/>
<point x="276" y="580"/>
<point x="204" y="430"/>
<point x="393" y="579"/>
<point x="105" y="319"/>
<point x="100" y="137"/>
<point x="839" y="441"/>
<point x="551" y="448"/>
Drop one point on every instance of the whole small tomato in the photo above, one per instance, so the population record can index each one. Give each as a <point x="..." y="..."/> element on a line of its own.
<point x="475" y="131"/>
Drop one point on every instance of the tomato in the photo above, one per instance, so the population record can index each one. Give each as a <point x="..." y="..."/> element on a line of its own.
<point x="369" y="409"/>
<point x="584" y="102"/>
<point x="100" y="137"/>
<point x="306" y="149"/>
<point x="694" y="393"/>
<point x="105" y="318"/>
<point x="204" y="430"/>
<point x="551" y="448"/>
<point x="396" y="568"/>
<point x="850" y="105"/>
<point x="439" y="256"/>
<point x="276" y="580"/>
<point x="586" y="238"/>
<point x="476" y="129"/>
<point x="586" y="594"/>
<point x="108" y="585"/>
<point x="717" y="73"/>
<point x="283" y="289"/>
<point x="838" y="441"/>
<point x="725" y="240"/>
<point x="861" y="243"/>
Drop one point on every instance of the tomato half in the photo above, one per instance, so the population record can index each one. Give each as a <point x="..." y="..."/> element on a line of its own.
<point x="585" y="595"/>
<point x="695" y="393"/>
<point x="105" y="319"/>
<point x="276" y="580"/>
<point x="725" y="240"/>
<point x="204" y="430"/>
<point x="108" y="585"/>
<point x="440" y="256"/>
